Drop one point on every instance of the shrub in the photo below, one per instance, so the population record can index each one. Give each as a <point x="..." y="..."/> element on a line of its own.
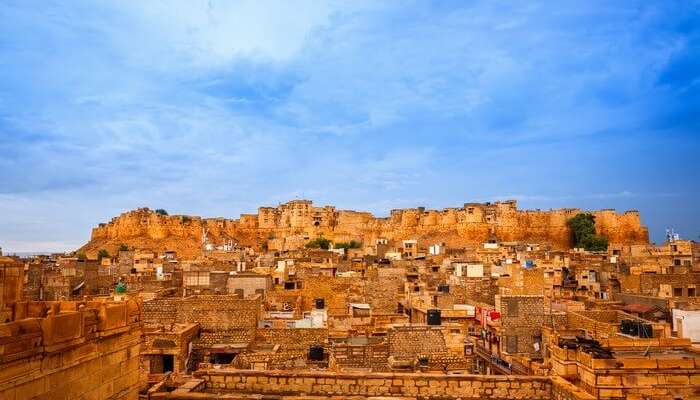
<point x="353" y="244"/>
<point x="319" y="243"/>
<point x="160" y="211"/>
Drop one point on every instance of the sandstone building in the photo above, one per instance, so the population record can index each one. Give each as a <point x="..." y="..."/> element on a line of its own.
<point x="301" y="302"/>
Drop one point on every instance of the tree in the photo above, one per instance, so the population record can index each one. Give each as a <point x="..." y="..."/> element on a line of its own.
<point x="319" y="243"/>
<point x="81" y="256"/>
<point x="102" y="254"/>
<point x="595" y="243"/>
<point x="160" y="211"/>
<point x="123" y="247"/>
<point x="353" y="244"/>
<point x="583" y="231"/>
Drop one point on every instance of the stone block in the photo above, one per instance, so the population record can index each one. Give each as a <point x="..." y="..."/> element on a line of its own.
<point x="31" y="389"/>
<point x="674" y="380"/>
<point x="114" y="358"/>
<point x="674" y="363"/>
<point x="639" y="363"/>
<point x="608" y="380"/>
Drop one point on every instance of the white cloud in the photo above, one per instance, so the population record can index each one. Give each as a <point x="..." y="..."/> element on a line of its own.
<point x="213" y="33"/>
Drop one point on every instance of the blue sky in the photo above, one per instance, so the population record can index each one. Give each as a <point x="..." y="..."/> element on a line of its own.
<point x="216" y="107"/>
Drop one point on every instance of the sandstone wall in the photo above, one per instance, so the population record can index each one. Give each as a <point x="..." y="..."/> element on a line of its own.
<point x="316" y="383"/>
<point x="215" y="312"/>
<point x="299" y="220"/>
<point x="76" y="351"/>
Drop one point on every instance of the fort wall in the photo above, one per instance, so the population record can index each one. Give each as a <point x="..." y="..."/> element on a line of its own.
<point x="292" y="224"/>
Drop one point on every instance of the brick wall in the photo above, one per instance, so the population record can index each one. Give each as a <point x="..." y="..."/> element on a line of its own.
<point x="219" y="311"/>
<point x="649" y="284"/>
<point x="334" y="290"/>
<point x="384" y="292"/>
<point x="291" y="338"/>
<point x="161" y="310"/>
<point x="313" y="383"/>
<point x="522" y="318"/>
<point x="481" y="290"/>
<point x="411" y="341"/>
<point x="92" y="353"/>
<point x="212" y="312"/>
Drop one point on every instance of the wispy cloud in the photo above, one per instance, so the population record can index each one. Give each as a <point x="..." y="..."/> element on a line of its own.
<point x="215" y="107"/>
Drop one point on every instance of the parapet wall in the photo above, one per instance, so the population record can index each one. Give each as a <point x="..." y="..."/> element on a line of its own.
<point x="317" y="383"/>
<point x="71" y="350"/>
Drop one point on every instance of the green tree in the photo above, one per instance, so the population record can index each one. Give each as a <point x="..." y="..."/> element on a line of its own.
<point x="81" y="256"/>
<point x="583" y="231"/>
<point x="319" y="243"/>
<point x="353" y="244"/>
<point x="123" y="247"/>
<point x="102" y="254"/>
<point x="160" y="211"/>
<point x="595" y="243"/>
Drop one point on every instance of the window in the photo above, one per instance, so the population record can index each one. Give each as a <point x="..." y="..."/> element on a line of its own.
<point x="677" y="292"/>
<point x="162" y="364"/>
<point x="222" y="358"/>
<point x="512" y="344"/>
<point x="676" y="262"/>
<point x="691" y="292"/>
<point x="512" y="307"/>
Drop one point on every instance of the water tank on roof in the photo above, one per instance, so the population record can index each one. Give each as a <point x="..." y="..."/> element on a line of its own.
<point x="320" y="304"/>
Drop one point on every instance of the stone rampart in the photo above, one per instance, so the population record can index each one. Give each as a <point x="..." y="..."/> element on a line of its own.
<point x="289" y="224"/>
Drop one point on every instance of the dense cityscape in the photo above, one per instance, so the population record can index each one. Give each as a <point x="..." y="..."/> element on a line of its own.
<point x="481" y="301"/>
<point x="349" y="200"/>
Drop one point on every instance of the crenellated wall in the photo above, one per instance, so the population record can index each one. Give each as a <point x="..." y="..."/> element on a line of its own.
<point x="290" y="225"/>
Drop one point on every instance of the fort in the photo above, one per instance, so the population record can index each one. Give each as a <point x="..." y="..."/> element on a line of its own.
<point x="481" y="302"/>
<point x="290" y="226"/>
